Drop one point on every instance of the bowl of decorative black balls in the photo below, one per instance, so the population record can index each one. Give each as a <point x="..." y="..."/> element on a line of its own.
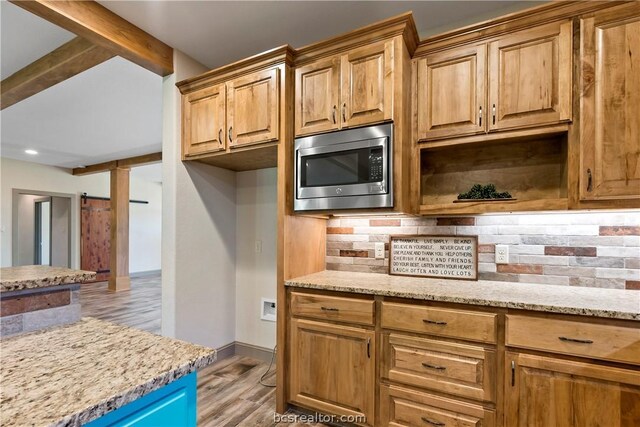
<point x="483" y="193"/>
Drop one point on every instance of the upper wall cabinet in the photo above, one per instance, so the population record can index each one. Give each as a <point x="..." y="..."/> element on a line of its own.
<point x="234" y="117"/>
<point x="347" y="90"/>
<point x="530" y="77"/>
<point x="451" y="93"/>
<point x="204" y="121"/>
<point x="610" y="104"/>
<point x="252" y="108"/>
<point x="518" y="80"/>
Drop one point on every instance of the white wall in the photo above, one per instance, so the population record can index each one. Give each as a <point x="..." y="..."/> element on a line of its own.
<point x="145" y="220"/>
<point x="256" y="196"/>
<point x="199" y="233"/>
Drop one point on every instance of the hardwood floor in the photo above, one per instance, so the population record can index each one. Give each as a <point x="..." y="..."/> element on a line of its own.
<point x="139" y="307"/>
<point x="229" y="392"/>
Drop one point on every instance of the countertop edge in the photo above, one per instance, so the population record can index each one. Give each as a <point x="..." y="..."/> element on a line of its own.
<point x="121" y="399"/>
<point x="14" y="285"/>
<point x="608" y="314"/>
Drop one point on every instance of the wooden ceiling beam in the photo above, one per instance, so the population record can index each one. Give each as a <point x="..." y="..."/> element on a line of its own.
<point x="66" y="61"/>
<point x="99" y="25"/>
<point x="145" y="159"/>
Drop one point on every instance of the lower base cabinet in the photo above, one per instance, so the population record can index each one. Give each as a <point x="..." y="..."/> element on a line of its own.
<point x="544" y="391"/>
<point x="333" y="370"/>
<point x="170" y="406"/>
<point x="400" y="407"/>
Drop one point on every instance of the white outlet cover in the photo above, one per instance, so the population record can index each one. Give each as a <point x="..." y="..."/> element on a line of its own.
<point x="268" y="309"/>
<point x="502" y="254"/>
<point x="379" y="250"/>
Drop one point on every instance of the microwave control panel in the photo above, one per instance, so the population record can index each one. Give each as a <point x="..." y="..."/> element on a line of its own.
<point x="375" y="165"/>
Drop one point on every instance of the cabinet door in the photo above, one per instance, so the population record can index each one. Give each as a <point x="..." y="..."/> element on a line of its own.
<point x="451" y="93"/>
<point x="253" y="108"/>
<point x="333" y="369"/>
<point x="367" y="85"/>
<point x="542" y="391"/>
<point x="318" y="96"/>
<point x="530" y="77"/>
<point x="610" y="104"/>
<point x="204" y="126"/>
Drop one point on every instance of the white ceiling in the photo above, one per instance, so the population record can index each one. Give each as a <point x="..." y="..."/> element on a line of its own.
<point x="20" y="47"/>
<point x="111" y="111"/>
<point x="219" y="32"/>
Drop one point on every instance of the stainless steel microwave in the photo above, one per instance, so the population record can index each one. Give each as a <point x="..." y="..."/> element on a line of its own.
<point x="349" y="169"/>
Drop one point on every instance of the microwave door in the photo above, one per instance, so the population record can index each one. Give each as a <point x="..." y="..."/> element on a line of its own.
<point x="342" y="170"/>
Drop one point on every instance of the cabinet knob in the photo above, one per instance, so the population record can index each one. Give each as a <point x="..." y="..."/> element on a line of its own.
<point x="220" y="136"/>
<point x="334" y="114"/>
<point x="493" y="111"/>
<point x="344" y="112"/>
<point x="480" y="117"/>
<point x="230" y="139"/>
<point x="589" y="181"/>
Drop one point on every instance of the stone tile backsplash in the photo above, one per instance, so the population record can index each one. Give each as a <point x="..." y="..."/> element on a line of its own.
<point x="595" y="249"/>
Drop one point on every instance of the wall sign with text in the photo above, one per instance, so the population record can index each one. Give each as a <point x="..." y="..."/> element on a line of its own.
<point x="450" y="257"/>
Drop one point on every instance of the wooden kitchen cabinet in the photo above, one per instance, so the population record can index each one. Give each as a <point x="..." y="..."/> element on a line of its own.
<point x="451" y="92"/>
<point x="317" y="96"/>
<point x="234" y="116"/>
<point x="515" y="81"/>
<point x="252" y="108"/>
<point x="204" y="121"/>
<point x="333" y="368"/>
<point x="544" y="391"/>
<point x="610" y="104"/>
<point x="367" y="84"/>
<point x="346" y="90"/>
<point x="530" y="77"/>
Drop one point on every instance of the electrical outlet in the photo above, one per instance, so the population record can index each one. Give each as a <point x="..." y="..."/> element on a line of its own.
<point x="268" y="309"/>
<point x="379" y="250"/>
<point x="502" y="254"/>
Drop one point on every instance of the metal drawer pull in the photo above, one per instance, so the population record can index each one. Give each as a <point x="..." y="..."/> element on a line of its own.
<point x="480" y="118"/>
<point x="432" y="422"/>
<point x="329" y="309"/>
<point x="434" y="322"/>
<point x="575" y="340"/>
<point x="344" y="112"/>
<point x="334" y="115"/>
<point x="439" y="368"/>
<point x="220" y="136"/>
<point x="230" y="139"/>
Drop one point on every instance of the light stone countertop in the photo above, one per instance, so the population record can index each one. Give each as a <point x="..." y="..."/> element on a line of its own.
<point x="70" y="375"/>
<point x="40" y="276"/>
<point x="596" y="302"/>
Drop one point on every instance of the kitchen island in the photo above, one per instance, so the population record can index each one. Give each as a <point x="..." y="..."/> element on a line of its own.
<point x="97" y="372"/>
<point x="39" y="296"/>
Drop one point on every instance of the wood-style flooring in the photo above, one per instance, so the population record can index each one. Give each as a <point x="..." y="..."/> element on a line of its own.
<point x="229" y="392"/>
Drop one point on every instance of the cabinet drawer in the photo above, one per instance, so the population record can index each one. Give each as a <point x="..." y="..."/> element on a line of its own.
<point x="617" y="343"/>
<point x="461" y="324"/>
<point x="401" y="407"/>
<point x="457" y="369"/>
<point x="339" y="309"/>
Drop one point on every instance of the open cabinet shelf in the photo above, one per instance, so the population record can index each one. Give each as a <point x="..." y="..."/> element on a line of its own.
<point x="534" y="171"/>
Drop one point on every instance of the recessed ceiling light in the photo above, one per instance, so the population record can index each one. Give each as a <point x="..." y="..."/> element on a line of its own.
<point x="30" y="151"/>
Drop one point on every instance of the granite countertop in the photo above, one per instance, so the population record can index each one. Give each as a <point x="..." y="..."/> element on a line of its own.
<point x="40" y="276"/>
<point x="597" y="302"/>
<point x="70" y="375"/>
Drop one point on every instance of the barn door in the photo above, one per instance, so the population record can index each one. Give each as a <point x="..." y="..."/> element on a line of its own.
<point x="95" y="225"/>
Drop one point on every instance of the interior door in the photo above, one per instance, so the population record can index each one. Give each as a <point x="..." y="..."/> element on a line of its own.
<point x="530" y="77"/>
<point x="451" y="93"/>
<point x="610" y="104"/>
<point x="253" y="108"/>
<point x="95" y="243"/>
<point x="60" y="231"/>
<point x="317" y="96"/>
<point x="204" y="121"/>
<point x="367" y="85"/>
